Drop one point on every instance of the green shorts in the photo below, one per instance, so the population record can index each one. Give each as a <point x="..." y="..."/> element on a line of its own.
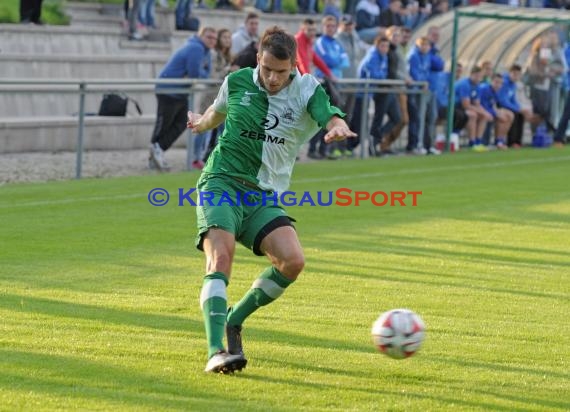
<point x="228" y="204"/>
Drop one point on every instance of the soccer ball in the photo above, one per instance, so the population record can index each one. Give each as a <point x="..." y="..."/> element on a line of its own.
<point x="398" y="333"/>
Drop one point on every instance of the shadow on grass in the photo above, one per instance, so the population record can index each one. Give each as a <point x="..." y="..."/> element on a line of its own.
<point x="379" y="275"/>
<point x="62" y="309"/>
<point x="401" y="392"/>
<point x="77" y="378"/>
<point x="160" y="322"/>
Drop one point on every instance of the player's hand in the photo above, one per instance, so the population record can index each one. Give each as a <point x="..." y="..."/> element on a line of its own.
<point x="339" y="133"/>
<point x="193" y="121"/>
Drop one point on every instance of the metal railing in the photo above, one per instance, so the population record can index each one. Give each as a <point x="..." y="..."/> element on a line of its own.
<point x="82" y="88"/>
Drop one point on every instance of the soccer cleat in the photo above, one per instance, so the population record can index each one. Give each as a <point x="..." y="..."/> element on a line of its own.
<point x="223" y="362"/>
<point x="233" y="334"/>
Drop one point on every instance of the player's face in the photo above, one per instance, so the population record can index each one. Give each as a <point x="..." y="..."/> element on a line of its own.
<point x="273" y="72"/>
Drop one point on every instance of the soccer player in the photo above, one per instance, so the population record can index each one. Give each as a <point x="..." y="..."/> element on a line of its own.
<point x="269" y="112"/>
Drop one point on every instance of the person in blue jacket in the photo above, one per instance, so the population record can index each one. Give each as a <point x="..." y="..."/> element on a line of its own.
<point x="375" y="66"/>
<point x="491" y="101"/>
<point x="190" y="61"/>
<point x="330" y="50"/>
<point x="508" y="100"/>
<point x="468" y="101"/>
<point x="419" y="63"/>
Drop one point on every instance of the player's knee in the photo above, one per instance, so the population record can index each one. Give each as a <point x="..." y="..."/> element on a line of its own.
<point x="292" y="266"/>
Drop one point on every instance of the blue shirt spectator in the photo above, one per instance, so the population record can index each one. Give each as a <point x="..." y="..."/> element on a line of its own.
<point x="332" y="53"/>
<point x="419" y="64"/>
<point x="192" y="60"/>
<point x="488" y="98"/>
<point x="466" y="89"/>
<point x="508" y="94"/>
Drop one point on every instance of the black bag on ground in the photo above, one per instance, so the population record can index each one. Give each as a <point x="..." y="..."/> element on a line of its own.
<point x="115" y="104"/>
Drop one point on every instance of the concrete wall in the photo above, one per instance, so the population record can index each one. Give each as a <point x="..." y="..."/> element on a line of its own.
<point x="93" y="47"/>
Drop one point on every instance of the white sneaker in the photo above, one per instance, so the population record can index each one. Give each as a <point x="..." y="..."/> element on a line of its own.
<point x="157" y="157"/>
<point x="420" y="151"/>
<point x="433" y="151"/>
<point x="223" y="362"/>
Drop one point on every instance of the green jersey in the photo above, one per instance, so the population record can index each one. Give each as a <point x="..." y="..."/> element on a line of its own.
<point x="264" y="133"/>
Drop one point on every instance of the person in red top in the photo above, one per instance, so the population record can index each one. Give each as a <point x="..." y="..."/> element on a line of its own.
<point x="305" y="38"/>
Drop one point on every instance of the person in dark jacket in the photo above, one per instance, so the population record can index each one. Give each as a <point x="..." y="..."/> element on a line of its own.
<point x="190" y="61"/>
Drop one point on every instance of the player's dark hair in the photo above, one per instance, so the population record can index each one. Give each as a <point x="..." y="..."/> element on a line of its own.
<point x="250" y="16"/>
<point x="515" y="68"/>
<point x="476" y="69"/>
<point x="497" y="76"/>
<point x="278" y="43"/>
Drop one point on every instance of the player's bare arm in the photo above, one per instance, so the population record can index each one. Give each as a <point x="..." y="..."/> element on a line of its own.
<point x="338" y="130"/>
<point x="199" y="123"/>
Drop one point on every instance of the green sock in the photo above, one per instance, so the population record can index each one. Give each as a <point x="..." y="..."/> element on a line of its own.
<point x="265" y="289"/>
<point x="213" y="301"/>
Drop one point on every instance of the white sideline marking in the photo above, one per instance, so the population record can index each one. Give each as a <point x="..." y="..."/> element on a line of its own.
<point x="309" y="180"/>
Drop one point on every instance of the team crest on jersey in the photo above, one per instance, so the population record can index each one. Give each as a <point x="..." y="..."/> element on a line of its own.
<point x="245" y="100"/>
<point x="288" y="115"/>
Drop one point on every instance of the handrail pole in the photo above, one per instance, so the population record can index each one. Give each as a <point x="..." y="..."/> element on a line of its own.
<point x="80" y="131"/>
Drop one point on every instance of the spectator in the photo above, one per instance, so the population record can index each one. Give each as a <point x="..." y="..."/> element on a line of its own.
<point x="306" y="56"/>
<point x="560" y="134"/>
<point x="330" y="50"/>
<point x="355" y="50"/>
<point x="539" y="76"/>
<point x="442" y="98"/>
<point x="487" y="69"/>
<point x="467" y="100"/>
<point x="192" y="61"/>
<point x="221" y="66"/>
<point x="332" y="8"/>
<point x="419" y="63"/>
<point x="442" y="94"/>
<point x="508" y="100"/>
<point x="132" y="16"/>
<point x="31" y="11"/>
<point x="406" y="33"/>
<point x="147" y="13"/>
<point x="246" y="58"/>
<point x="397" y="70"/>
<point x="334" y="56"/>
<point x="391" y="16"/>
<point x="367" y="20"/>
<point x="436" y="67"/>
<point x="490" y="101"/>
<point x="375" y="66"/>
<point x="246" y="33"/>
<point x="307" y="6"/>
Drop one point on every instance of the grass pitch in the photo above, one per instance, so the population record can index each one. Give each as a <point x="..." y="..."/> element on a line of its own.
<point x="99" y="293"/>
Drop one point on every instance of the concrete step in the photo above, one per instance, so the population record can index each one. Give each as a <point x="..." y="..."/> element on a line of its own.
<point x="53" y="134"/>
<point x="82" y="12"/>
<point x="75" y="40"/>
<point x="66" y="66"/>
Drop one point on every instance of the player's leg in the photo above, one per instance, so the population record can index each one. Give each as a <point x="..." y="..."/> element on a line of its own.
<point x="219" y="248"/>
<point x="217" y="225"/>
<point x="277" y="240"/>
